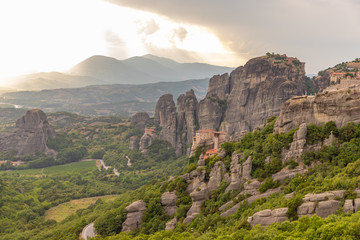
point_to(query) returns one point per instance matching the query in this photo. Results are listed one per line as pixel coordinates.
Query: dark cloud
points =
(149, 27)
(319, 32)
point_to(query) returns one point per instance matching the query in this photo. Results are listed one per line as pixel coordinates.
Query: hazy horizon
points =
(46, 36)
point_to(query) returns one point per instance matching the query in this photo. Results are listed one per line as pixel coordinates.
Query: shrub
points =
(293, 205)
(269, 184)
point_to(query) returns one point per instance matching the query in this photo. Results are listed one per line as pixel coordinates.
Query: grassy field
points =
(62, 211)
(76, 167)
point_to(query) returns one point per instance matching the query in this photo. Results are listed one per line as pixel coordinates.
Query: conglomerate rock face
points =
(30, 134)
(234, 103)
(135, 213)
(187, 117)
(341, 106)
(165, 118)
(140, 120)
(257, 92)
(177, 124)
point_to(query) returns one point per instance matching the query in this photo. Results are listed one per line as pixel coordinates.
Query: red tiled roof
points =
(211, 151)
(149, 130)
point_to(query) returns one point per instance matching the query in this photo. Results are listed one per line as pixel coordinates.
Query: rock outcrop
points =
(134, 143)
(240, 173)
(341, 106)
(135, 213)
(321, 204)
(140, 120)
(246, 169)
(217, 174)
(177, 124)
(256, 92)
(297, 146)
(234, 104)
(235, 170)
(146, 140)
(165, 118)
(287, 173)
(198, 196)
(168, 201)
(200, 190)
(186, 121)
(251, 94)
(171, 224)
(268, 217)
(30, 134)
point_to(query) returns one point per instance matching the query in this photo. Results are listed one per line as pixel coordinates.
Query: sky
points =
(54, 35)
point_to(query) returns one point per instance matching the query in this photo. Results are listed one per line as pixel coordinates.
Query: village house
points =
(150, 131)
(335, 77)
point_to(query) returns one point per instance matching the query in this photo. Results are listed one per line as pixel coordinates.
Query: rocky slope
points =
(204, 184)
(30, 134)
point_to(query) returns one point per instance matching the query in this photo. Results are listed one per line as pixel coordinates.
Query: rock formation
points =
(165, 118)
(251, 94)
(234, 103)
(135, 212)
(235, 170)
(177, 124)
(297, 146)
(171, 224)
(134, 142)
(217, 174)
(198, 196)
(246, 169)
(341, 106)
(30, 134)
(186, 121)
(147, 139)
(140, 120)
(168, 201)
(200, 190)
(240, 173)
(268, 217)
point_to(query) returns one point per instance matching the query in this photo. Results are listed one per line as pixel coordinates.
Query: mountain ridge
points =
(100, 70)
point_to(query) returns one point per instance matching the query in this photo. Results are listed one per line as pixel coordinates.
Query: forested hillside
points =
(327, 168)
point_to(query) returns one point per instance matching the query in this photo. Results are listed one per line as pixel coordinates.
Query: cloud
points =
(148, 28)
(180, 33)
(319, 32)
(116, 47)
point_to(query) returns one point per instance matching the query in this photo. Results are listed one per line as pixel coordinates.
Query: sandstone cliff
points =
(341, 106)
(30, 134)
(253, 93)
(175, 124)
(140, 120)
(234, 103)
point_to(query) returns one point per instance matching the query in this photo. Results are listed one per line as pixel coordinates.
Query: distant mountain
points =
(99, 70)
(100, 100)
(145, 69)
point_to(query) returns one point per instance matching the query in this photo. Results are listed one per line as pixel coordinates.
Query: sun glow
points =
(42, 35)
